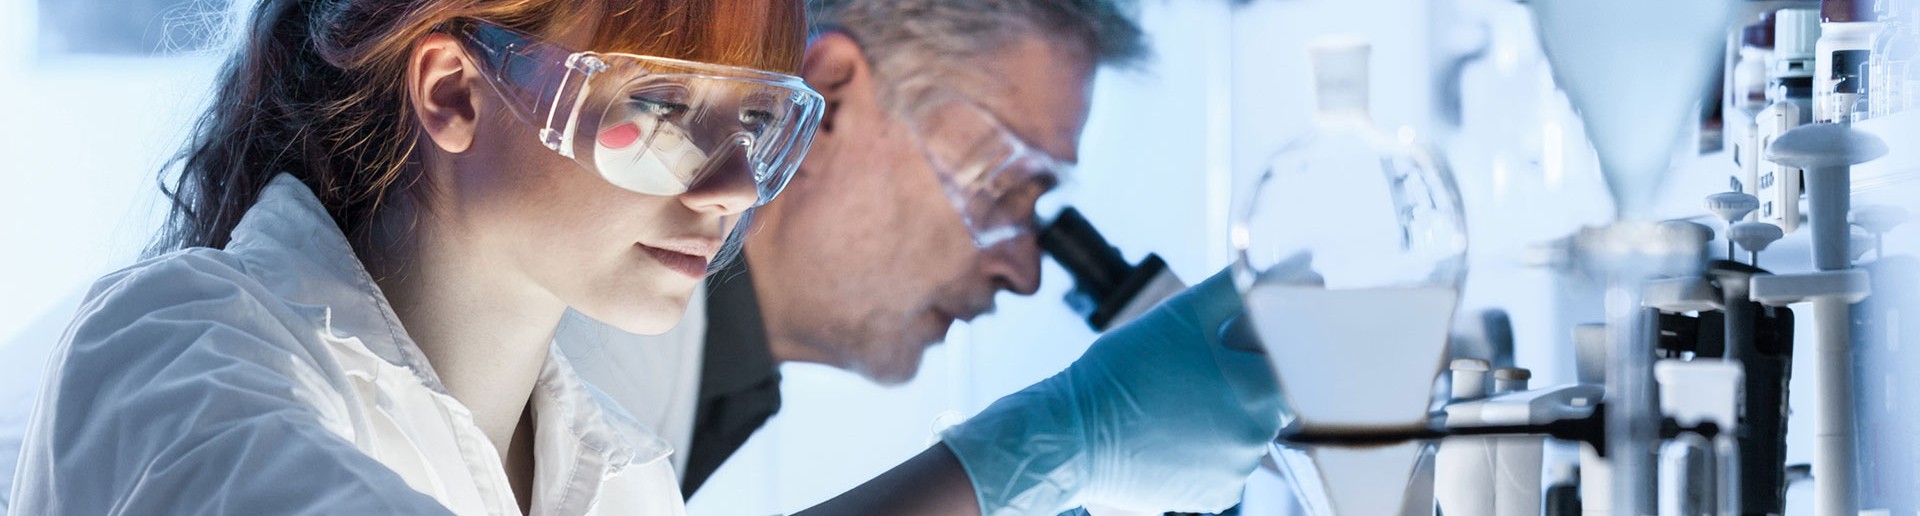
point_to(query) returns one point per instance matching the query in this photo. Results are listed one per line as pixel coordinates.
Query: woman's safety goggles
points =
(991, 176)
(652, 125)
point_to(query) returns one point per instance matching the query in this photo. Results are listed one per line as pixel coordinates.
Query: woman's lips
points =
(694, 266)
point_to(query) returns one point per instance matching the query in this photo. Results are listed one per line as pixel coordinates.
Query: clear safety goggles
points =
(653, 125)
(991, 176)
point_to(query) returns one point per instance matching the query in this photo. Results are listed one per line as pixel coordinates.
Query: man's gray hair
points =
(915, 46)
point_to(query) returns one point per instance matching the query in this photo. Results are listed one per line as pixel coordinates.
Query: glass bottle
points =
(1351, 254)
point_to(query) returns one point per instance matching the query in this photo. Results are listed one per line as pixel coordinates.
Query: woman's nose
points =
(728, 187)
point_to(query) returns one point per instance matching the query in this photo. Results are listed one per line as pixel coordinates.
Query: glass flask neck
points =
(1343, 118)
(1340, 81)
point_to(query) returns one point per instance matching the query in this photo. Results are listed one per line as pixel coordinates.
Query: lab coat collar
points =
(603, 438)
(290, 233)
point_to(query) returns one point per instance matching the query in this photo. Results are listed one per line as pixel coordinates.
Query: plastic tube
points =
(1516, 480)
(1464, 466)
(1685, 473)
(1834, 493)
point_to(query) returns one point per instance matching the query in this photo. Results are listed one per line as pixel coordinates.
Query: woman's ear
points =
(836, 67)
(440, 83)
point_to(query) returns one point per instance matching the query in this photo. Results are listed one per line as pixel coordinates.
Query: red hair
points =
(317, 90)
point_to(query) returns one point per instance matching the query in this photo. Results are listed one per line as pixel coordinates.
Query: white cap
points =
(1470, 379)
(1340, 79)
(1511, 379)
(1794, 33)
(1470, 364)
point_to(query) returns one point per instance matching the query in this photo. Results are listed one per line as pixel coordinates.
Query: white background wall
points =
(81, 142)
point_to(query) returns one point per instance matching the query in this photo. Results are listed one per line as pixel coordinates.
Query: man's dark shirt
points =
(739, 380)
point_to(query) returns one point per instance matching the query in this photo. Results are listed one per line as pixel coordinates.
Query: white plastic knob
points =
(1754, 236)
(1859, 244)
(1878, 218)
(1688, 230)
(1732, 206)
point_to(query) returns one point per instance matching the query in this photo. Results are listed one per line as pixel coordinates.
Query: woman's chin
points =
(653, 317)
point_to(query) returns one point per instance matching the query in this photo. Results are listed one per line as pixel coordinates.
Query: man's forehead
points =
(1041, 92)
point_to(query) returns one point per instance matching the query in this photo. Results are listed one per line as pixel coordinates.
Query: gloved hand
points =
(1157, 415)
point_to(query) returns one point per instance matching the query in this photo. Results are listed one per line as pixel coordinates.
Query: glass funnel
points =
(1351, 252)
(1634, 71)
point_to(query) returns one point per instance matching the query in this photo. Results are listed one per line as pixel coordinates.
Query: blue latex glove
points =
(1156, 416)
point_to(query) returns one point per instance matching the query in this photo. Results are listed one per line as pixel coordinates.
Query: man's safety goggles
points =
(652, 125)
(991, 176)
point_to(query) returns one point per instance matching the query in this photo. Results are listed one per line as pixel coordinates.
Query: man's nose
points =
(1014, 265)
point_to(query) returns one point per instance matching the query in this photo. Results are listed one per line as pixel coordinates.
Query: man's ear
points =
(837, 68)
(440, 83)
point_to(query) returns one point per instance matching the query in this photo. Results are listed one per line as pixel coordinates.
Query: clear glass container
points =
(1350, 224)
(1351, 254)
(1890, 66)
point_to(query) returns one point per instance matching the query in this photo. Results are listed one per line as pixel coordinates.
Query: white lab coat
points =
(273, 378)
(656, 378)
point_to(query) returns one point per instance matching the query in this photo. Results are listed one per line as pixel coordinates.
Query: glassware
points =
(1352, 250)
(1634, 70)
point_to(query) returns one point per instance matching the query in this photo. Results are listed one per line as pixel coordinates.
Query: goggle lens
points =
(653, 125)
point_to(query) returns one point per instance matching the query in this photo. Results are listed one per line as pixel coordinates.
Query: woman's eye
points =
(659, 108)
(755, 120)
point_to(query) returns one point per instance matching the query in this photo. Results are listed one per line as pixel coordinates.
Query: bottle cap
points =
(1847, 11)
(1794, 33)
(1760, 34)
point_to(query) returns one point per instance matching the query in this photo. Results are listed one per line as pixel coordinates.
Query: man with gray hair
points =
(945, 121)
